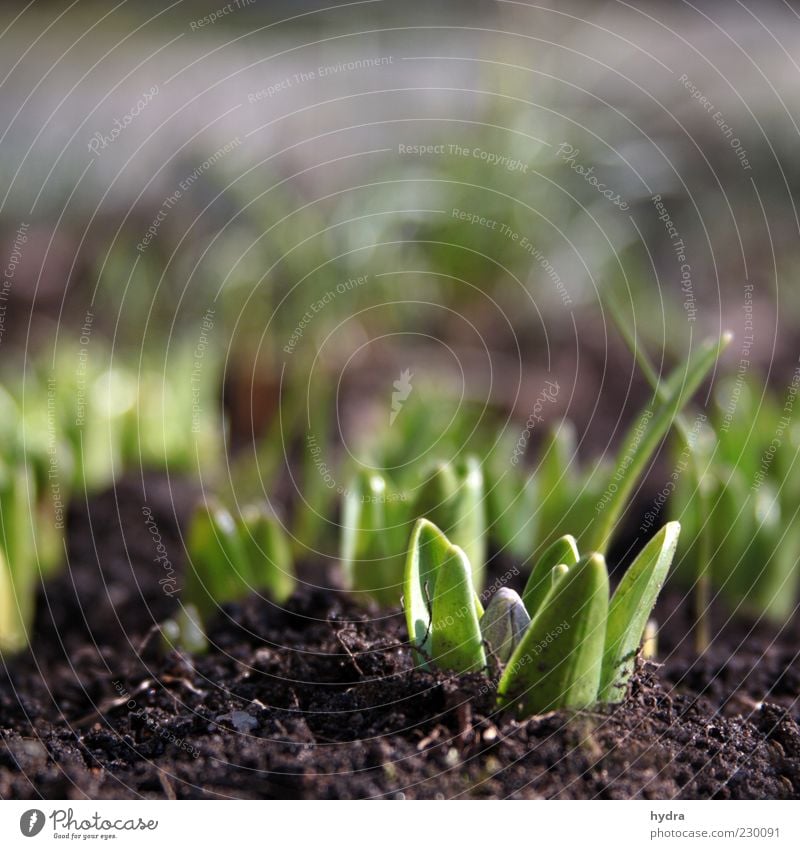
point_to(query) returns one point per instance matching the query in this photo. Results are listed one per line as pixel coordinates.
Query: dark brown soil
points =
(321, 700)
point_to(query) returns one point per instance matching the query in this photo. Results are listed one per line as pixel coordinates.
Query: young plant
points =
(31, 535)
(742, 525)
(693, 459)
(558, 662)
(19, 574)
(589, 502)
(566, 648)
(442, 609)
(373, 524)
(228, 559)
(452, 497)
(647, 433)
(512, 499)
(741, 529)
(376, 519)
(569, 492)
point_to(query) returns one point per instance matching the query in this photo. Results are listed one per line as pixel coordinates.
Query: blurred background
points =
(306, 223)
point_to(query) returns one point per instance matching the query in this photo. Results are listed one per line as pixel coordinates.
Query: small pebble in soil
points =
(241, 721)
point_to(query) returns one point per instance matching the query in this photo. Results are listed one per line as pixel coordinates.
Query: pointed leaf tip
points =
(630, 609)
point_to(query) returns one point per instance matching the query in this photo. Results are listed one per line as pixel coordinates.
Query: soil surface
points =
(321, 699)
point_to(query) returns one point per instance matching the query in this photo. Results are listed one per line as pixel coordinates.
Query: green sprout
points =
(571, 648)
(228, 559)
(442, 609)
(646, 434)
(19, 572)
(268, 552)
(563, 552)
(452, 497)
(746, 540)
(511, 501)
(578, 648)
(372, 529)
(590, 503)
(692, 449)
(31, 533)
(376, 519)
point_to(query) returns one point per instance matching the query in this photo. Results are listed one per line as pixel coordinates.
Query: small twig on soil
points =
(169, 790)
(343, 644)
(172, 679)
(155, 629)
(111, 704)
(431, 738)
(464, 719)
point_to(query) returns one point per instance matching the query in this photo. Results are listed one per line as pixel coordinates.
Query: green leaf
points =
(437, 496)
(630, 609)
(504, 623)
(109, 431)
(511, 497)
(453, 499)
(470, 520)
(645, 435)
(456, 641)
(557, 480)
(218, 570)
(185, 631)
(13, 627)
(563, 550)
(771, 559)
(18, 541)
(732, 528)
(369, 563)
(267, 551)
(558, 663)
(427, 550)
